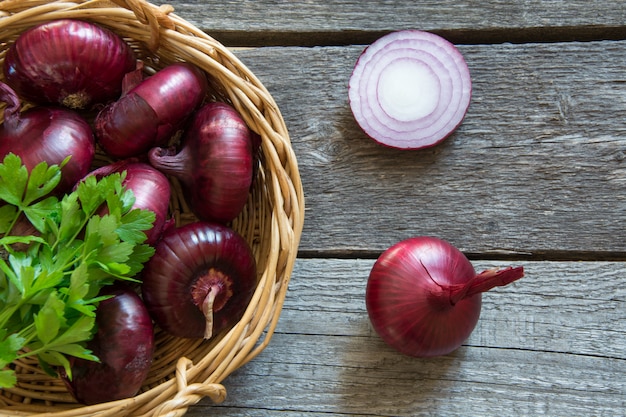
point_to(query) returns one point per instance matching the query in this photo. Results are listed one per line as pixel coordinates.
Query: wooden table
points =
(535, 176)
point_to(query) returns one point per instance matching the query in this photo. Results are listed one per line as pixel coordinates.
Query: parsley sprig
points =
(50, 280)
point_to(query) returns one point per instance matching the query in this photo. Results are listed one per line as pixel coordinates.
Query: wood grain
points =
(543, 346)
(535, 170)
(342, 22)
(534, 176)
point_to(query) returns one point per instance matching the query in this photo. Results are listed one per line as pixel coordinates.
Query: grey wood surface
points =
(550, 344)
(535, 176)
(284, 22)
(536, 168)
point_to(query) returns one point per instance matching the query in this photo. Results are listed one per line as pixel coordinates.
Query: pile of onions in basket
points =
(410, 89)
(150, 125)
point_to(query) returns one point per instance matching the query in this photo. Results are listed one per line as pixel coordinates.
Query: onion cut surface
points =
(410, 89)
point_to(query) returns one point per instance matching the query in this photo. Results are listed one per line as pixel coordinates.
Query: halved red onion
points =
(410, 89)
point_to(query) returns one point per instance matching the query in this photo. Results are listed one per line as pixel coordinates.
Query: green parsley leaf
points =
(39, 213)
(72, 218)
(54, 358)
(13, 180)
(141, 255)
(50, 319)
(77, 350)
(41, 181)
(134, 223)
(49, 291)
(7, 378)
(10, 240)
(9, 346)
(90, 194)
(8, 214)
(79, 331)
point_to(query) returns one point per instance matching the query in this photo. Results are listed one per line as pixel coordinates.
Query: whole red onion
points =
(200, 279)
(423, 296)
(215, 163)
(150, 187)
(158, 105)
(68, 62)
(124, 343)
(48, 134)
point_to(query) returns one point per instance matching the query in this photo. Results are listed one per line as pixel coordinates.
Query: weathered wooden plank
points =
(481, 382)
(541, 348)
(535, 313)
(268, 22)
(537, 167)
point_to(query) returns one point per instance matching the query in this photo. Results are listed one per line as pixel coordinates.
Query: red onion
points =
(150, 187)
(47, 134)
(68, 62)
(159, 105)
(215, 163)
(124, 343)
(200, 279)
(423, 296)
(410, 89)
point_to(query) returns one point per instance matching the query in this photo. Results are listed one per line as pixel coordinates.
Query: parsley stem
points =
(15, 219)
(9, 311)
(28, 333)
(78, 231)
(6, 315)
(17, 216)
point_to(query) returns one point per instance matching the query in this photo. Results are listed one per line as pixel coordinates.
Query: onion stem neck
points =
(207, 310)
(210, 293)
(485, 281)
(169, 162)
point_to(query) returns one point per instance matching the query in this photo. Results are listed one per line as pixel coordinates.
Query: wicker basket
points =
(184, 371)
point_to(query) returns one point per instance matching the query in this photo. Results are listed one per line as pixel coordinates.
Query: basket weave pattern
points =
(184, 371)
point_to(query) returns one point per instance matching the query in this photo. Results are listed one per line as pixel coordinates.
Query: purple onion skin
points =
(423, 296)
(190, 261)
(215, 163)
(159, 106)
(124, 343)
(48, 134)
(151, 189)
(68, 62)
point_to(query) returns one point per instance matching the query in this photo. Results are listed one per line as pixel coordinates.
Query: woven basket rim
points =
(272, 223)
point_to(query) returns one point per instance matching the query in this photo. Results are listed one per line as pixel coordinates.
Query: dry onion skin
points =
(410, 89)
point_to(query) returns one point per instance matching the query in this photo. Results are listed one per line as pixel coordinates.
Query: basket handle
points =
(188, 394)
(149, 14)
